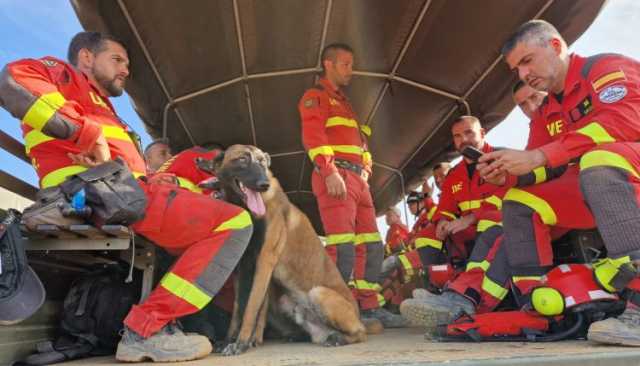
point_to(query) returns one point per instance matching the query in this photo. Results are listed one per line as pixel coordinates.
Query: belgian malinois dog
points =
(292, 266)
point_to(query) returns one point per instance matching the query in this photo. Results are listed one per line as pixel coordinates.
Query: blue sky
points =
(35, 28)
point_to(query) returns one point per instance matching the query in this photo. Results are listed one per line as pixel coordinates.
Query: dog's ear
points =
(217, 161)
(267, 159)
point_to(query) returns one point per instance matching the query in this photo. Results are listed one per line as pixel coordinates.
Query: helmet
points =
(567, 286)
(414, 196)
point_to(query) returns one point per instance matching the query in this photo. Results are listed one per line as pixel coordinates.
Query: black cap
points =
(21, 292)
(414, 196)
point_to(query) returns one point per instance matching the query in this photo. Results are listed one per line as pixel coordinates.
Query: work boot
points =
(622, 330)
(432, 310)
(170, 344)
(421, 293)
(387, 319)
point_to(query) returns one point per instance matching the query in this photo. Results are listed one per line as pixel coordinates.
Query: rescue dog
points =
(303, 283)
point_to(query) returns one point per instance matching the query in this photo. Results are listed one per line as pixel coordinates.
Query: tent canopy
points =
(232, 71)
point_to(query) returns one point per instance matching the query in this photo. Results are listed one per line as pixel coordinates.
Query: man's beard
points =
(109, 85)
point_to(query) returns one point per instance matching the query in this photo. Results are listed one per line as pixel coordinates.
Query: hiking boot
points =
(421, 293)
(168, 345)
(432, 310)
(623, 330)
(387, 319)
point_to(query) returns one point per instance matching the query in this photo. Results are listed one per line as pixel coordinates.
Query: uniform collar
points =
(573, 78)
(332, 90)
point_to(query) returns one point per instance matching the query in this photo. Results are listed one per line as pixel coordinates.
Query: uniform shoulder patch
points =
(310, 102)
(612, 94)
(49, 63)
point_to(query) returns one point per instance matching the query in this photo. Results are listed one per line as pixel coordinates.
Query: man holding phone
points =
(468, 213)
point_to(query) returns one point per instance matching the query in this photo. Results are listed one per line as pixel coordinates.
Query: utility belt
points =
(346, 164)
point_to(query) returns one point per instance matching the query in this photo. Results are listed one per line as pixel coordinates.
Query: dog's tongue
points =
(254, 201)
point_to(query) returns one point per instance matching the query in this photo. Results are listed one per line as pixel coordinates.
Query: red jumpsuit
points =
(595, 122)
(336, 142)
(61, 113)
(396, 238)
(462, 195)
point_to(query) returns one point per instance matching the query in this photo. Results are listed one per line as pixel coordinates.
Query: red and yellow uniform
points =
(61, 113)
(396, 238)
(183, 165)
(593, 126)
(336, 142)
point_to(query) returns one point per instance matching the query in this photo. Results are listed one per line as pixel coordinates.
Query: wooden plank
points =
(17, 186)
(13, 147)
(55, 231)
(87, 231)
(118, 231)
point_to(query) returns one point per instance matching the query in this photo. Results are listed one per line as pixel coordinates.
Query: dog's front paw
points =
(235, 348)
(335, 339)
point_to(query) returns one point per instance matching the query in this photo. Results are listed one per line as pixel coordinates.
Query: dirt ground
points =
(408, 347)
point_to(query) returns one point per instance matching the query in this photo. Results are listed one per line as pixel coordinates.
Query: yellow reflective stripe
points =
(483, 225)
(185, 290)
(494, 200)
(324, 150)
(341, 121)
(366, 285)
(484, 265)
(34, 138)
(606, 158)
(606, 269)
(448, 214)
(347, 238)
(406, 264)
(537, 204)
(115, 132)
(366, 130)
(493, 288)
(366, 158)
(469, 205)
(428, 242)
(187, 184)
(541, 174)
(349, 149)
(381, 300)
(240, 221)
(432, 212)
(526, 278)
(59, 175)
(607, 78)
(596, 132)
(367, 238)
(43, 109)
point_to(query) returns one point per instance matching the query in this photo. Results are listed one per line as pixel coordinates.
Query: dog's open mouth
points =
(253, 200)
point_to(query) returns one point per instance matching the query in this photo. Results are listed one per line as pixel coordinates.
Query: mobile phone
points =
(471, 153)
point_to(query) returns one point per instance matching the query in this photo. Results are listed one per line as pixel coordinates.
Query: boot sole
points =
(612, 338)
(418, 315)
(135, 354)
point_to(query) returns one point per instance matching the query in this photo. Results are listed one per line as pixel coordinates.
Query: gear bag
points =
(92, 317)
(112, 193)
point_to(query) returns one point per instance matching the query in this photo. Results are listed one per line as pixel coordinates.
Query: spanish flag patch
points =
(607, 79)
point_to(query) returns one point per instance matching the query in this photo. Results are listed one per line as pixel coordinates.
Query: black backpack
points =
(92, 317)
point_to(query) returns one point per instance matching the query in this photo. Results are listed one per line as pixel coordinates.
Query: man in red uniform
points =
(69, 125)
(469, 213)
(592, 116)
(156, 154)
(337, 145)
(396, 234)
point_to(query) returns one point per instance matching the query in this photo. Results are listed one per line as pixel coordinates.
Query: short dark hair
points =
(162, 140)
(519, 84)
(93, 41)
(330, 51)
(442, 164)
(537, 29)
